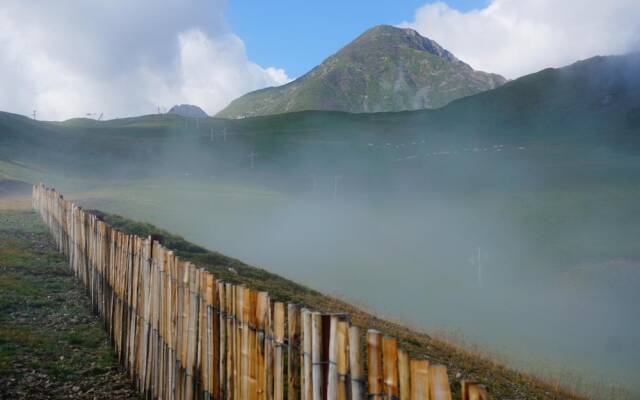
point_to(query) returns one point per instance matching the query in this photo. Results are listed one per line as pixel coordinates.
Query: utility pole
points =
(479, 268)
(336, 178)
(34, 114)
(315, 182)
(477, 260)
(252, 156)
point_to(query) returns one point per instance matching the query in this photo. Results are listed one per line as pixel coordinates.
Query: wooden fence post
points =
(464, 388)
(471, 390)
(253, 346)
(439, 383)
(307, 375)
(404, 375)
(278, 330)
(293, 364)
(342, 360)
(316, 356)
(390, 367)
(419, 379)
(262, 318)
(374, 361)
(332, 376)
(245, 309)
(355, 361)
(230, 291)
(222, 340)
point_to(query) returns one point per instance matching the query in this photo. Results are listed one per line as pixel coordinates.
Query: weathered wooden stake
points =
(439, 383)
(316, 356)
(404, 375)
(419, 379)
(293, 360)
(306, 376)
(278, 330)
(374, 361)
(390, 367)
(356, 364)
(342, 360)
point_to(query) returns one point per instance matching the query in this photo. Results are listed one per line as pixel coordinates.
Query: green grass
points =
(49, 341)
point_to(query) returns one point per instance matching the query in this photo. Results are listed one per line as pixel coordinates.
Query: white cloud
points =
(71, 57)
(220, 67)
(517, 37)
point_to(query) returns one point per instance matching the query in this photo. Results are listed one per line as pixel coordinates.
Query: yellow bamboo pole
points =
(191, 334)
(262, 315)
(471, 390)
(237, 340)
(464, 388)
(204, 355)
(253, 346)
(245, 309)
(390, 367)
(342, 360)
(306, 376)
(278, 362)
(231, 340)
(439, 383)
(478, 392)
(332, 376)
(316, 356)
(214, 338)
(293, 364)
(356, 365)
(222, 332)
(404, 375)
(374, 359)
(419, 379)
(269, 351)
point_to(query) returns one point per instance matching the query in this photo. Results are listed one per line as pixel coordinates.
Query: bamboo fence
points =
(183, 334)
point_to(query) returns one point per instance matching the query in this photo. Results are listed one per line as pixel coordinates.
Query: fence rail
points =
(183, 334)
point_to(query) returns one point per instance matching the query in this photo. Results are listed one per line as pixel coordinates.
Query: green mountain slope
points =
(385, 69)
(589, 104)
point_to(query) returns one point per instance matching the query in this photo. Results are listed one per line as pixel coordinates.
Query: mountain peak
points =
(386, 68)
(384, 30)
(390, 38)
(188, 111)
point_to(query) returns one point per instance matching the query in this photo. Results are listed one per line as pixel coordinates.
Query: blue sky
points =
(298, 35)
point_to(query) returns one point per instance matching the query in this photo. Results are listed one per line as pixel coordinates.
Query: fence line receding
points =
(183, 334)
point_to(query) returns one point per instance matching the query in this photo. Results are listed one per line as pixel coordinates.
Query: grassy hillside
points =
(384, 69)
(592, 103)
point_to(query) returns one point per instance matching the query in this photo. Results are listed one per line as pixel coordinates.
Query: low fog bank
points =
(541, 272)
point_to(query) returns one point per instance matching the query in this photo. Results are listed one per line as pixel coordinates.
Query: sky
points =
(72, 58)
(325, 26)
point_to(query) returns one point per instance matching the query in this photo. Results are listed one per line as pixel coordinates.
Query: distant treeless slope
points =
(599, 97)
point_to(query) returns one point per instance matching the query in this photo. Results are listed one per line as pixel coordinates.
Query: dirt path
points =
(51, 346)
